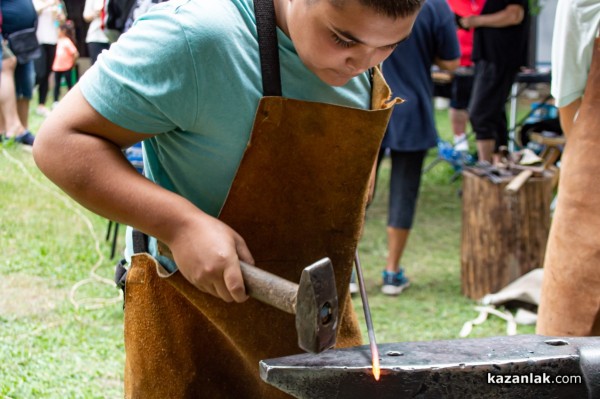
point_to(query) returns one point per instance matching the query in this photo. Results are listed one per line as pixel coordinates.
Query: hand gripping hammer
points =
(314, 300)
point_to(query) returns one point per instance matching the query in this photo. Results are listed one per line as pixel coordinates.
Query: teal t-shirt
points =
(190, 70)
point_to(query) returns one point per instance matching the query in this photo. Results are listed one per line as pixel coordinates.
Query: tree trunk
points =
(503, 235)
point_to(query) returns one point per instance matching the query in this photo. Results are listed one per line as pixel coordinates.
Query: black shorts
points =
(405, 180)
(487, 108)
(462, 85)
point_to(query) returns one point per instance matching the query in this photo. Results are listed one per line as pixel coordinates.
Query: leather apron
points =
(299, 195)
(570, 299)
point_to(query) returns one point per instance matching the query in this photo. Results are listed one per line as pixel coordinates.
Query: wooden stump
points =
(503, 235)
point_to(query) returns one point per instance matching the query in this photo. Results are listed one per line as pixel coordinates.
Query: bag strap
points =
(268, 47)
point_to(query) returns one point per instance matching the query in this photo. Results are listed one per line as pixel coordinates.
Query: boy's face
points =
(338, 43)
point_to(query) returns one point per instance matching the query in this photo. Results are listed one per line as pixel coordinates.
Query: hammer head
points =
(317, 307)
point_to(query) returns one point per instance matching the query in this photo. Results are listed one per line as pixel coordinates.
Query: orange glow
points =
(376, 369)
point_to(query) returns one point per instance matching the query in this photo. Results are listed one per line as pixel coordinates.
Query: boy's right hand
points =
(208, 253)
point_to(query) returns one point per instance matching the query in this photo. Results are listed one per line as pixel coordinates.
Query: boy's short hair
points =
(391, 8)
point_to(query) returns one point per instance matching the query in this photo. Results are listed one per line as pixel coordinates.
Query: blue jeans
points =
(24, 78)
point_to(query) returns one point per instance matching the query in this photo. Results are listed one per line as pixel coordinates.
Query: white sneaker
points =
(353, 288)
(461, 144)
(42, 111)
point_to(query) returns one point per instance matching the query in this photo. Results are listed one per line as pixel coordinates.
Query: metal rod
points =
(369, 321)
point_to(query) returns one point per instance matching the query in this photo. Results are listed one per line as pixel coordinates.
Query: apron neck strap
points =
(268, 47)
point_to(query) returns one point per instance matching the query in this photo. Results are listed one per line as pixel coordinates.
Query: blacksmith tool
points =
(314, 300)
(485, 169)
(520, 366)
(368, 320)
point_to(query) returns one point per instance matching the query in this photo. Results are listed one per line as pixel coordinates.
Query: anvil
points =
(522, 366)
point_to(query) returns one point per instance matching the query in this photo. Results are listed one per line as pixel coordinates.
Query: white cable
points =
(83, 303)
(484, 311)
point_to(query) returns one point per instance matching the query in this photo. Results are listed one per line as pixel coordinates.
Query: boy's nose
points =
(359, 63)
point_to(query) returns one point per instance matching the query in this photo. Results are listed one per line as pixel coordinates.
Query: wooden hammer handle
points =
(270, 288)
(260, 285)
(517, 182)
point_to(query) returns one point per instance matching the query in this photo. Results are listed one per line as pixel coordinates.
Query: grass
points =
(53, 346)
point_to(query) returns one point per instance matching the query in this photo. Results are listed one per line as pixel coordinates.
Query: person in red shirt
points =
(463, 76)
(65, 58)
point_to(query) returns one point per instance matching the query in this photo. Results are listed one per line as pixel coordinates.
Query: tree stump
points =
(503, 235)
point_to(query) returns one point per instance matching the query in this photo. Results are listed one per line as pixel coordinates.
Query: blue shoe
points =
(394, 283)
(26, 138)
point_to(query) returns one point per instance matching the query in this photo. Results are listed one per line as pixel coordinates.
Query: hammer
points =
(314, 300)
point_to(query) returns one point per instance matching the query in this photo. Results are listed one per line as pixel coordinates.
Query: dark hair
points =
(391, 8)
(69, 28)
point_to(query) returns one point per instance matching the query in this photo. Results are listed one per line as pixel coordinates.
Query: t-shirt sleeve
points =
(146, 82)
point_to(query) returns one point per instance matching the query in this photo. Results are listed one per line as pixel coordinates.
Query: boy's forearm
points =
(511, 15)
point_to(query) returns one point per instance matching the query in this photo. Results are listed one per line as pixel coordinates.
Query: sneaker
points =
(26, 138)
(394, 283)
(42, 111)
(461, 144)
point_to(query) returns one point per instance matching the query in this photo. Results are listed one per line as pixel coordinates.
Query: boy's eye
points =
(340, 42)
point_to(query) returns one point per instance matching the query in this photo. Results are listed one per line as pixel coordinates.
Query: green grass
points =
(51, 348)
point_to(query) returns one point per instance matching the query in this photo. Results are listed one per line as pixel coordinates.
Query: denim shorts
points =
(24, 79)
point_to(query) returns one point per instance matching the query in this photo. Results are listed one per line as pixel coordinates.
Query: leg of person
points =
(57, 79)
(462, 85)
(8, 99)
(484, 106)
(487, 108)
(24, 78)
(405, 181)
(43, 68)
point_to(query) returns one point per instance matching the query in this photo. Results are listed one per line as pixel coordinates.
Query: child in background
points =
(66, 56)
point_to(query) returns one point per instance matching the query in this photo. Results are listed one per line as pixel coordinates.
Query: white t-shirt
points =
(95, 34)
(575, 29)
(48, 20)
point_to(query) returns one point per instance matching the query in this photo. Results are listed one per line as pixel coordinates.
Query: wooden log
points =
(503, 235)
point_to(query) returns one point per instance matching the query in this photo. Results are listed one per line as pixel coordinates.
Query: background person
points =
(95, 38)
(65, 59)
(462, 82)
(499, 50)
(51, 13)
(412, 131)
(570, 297)
(16, 84)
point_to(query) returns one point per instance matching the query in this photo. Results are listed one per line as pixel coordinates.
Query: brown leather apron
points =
(570, 301)
(299, 195)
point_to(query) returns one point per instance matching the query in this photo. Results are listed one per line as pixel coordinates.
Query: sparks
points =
(375, 360)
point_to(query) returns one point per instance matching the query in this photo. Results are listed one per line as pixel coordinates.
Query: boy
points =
(187, 80)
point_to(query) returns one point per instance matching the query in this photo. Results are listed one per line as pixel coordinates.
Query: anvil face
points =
(465, 368)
